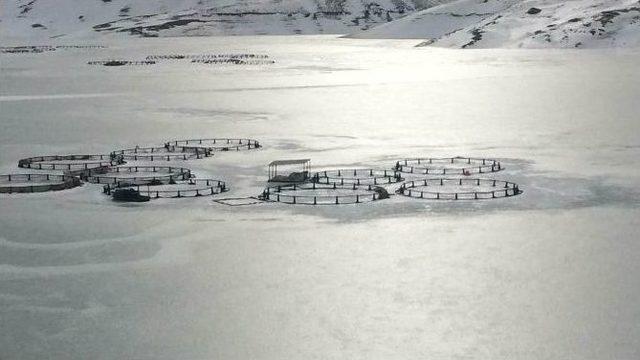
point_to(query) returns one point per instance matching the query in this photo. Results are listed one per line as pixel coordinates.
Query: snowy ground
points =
(87, 18)
(520, 24)
(550, 274)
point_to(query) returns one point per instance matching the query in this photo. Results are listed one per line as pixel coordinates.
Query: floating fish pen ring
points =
(459, 189)
(26, 49)
(323, 194)
(448, 166)
(206, 56)
(156, 175)
(218, 144)
(357, 176)
(189, 188)
(70, 162)
(32, 183)
(233, 61)
(80, 47)
(121, 62)
(161, 153)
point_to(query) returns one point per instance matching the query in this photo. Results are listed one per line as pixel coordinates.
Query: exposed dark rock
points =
(533, 11)
(606, 17)
(477, 36)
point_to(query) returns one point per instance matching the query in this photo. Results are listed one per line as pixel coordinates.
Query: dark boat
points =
(115, 63)
(129, 195)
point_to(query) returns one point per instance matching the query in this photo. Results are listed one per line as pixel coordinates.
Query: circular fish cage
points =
(323, 194)
(121, 62)
(162, 153)
(210, 145)
(26, 49)
(459, 189)
(357, 177)
(33, 183)
(70, 163)
(205, 56)
(448, 166)
(123, 176)
(189, 188)
(233, 61)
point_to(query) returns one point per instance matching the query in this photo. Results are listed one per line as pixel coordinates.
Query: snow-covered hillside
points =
(517, 23)
(57, 18)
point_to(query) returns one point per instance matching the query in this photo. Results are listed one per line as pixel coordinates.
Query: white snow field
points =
(549, 274)
(520, 24)
(85, 18)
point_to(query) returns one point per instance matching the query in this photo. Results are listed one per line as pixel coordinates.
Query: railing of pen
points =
(286, 194)
(448, 166)
(155, 174)
(33, 183)
(357, 177)
(459, 189)
(205, 56)
(192, 188)
(217, 144)
(121, 62)
(161, 153)
(70, 162)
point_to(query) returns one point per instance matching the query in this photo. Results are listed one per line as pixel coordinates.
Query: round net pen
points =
(167, 153)
(205, 56)
(459, 189)
(33, 183)
(123, 176)
(67, 47)
(448, 166)
(218, 144)
(233, 61)
(323, 194)
(357, 177)
(26, 49)
(190, 188)
(121, 62)
(70, 162)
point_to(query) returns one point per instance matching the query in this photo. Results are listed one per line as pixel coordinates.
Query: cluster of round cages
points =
(205, 56)
(324, 194)
(71, 163)
(357, 177)
(33, 183)
(181, 189)
(80, 47)
(211, 145)
(40, 49)
(234, 61)
(26, 49)
(165, 153)
(122, 176)
(448, 166)
(458, 189)
(121, 62)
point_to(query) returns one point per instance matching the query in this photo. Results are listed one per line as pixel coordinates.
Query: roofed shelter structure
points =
(296, 176)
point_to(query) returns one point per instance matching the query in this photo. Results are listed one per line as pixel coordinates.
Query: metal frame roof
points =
(289, 162)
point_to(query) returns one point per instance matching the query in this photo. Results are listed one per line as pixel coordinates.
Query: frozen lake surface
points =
(549, 274)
